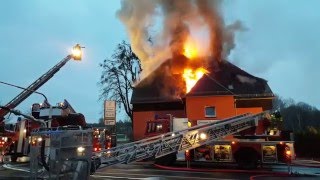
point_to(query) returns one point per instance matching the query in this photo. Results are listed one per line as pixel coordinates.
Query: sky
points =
(281, 44)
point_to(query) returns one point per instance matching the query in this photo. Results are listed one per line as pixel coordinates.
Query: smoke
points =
(246, 79)
(229, 37)
(158, 29)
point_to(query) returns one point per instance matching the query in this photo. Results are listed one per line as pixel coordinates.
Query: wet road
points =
(146, 170)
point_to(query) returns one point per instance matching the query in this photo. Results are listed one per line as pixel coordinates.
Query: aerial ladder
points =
(179, 141)
(76, 55)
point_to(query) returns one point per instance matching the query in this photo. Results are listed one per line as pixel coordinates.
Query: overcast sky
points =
(281, 45)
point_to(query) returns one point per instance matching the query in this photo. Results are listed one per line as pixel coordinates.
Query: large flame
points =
(191, 77)
(190, 49)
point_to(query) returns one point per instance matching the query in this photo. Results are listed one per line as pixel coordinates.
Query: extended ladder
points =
(76, 55)
(182, 140)
(34, 86)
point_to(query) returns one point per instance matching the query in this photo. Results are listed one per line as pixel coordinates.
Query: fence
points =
(61, 153)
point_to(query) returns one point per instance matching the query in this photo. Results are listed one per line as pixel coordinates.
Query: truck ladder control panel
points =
(178, 141)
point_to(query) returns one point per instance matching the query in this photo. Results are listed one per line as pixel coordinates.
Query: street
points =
(146, 170)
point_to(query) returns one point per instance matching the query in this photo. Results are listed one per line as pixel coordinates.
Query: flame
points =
(191, 77)
(190, 49)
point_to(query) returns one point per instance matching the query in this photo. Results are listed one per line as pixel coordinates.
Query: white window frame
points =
(210, 116)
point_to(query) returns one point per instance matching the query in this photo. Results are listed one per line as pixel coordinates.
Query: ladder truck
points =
(164, 147)
(8, 137)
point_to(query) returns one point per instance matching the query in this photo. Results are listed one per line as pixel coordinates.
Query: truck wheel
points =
(246, 158)
(167, 160)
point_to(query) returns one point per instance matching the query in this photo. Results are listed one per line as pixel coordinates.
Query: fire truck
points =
(101, 139)
(192, 140)
(164, 147)
(76, 55)
(243, 147)
(15, 141)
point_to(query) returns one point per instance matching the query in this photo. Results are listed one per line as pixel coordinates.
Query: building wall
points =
(140, 120)
(252, 110)
(195, 107)
(194, 110)
(264, 103)
(224, 105)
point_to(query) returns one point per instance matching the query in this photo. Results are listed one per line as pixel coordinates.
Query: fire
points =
(193, 70)
(190, 50)
(191, 77)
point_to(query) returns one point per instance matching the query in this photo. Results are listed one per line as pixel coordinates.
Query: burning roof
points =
(226, 78)
(160, 86)
(222, 78)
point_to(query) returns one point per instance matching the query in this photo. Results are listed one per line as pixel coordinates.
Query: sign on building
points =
(110, 112)
(202, 122)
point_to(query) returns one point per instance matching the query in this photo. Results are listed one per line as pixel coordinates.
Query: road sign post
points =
(109, 113)
(110, 119)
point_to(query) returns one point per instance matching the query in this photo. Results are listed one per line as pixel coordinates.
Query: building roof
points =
(224, 78)
(159, 86)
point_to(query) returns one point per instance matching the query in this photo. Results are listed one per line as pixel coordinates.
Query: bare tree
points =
(119, 73)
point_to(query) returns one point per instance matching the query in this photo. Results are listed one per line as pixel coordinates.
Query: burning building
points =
(185, 73)
(224, 90)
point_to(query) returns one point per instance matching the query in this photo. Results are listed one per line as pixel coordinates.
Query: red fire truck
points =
(14, 141)
(102, 139)
(245, 148)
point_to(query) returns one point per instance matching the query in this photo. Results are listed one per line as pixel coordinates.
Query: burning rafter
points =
(191, 77)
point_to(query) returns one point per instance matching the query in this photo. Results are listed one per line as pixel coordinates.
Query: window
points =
(222, 153)
(210, 111)
(154, 127)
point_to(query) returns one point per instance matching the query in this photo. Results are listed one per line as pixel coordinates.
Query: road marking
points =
(156, 175)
